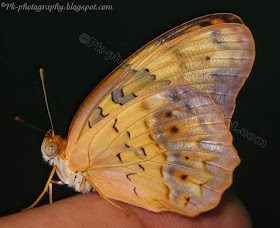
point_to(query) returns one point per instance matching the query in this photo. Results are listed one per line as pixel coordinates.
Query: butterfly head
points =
(52, 146)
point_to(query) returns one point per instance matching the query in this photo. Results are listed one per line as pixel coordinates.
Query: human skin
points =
(90, 210)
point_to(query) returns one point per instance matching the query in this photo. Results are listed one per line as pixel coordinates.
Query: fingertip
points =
(229, 213)
(91, 209)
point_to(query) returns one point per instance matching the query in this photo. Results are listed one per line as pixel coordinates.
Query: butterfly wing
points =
(213, 53)
(168, 150)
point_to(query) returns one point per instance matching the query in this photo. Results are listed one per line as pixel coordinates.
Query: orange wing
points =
(168, 150)
(213, 53)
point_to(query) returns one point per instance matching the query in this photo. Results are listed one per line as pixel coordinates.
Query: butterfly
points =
(155, 132)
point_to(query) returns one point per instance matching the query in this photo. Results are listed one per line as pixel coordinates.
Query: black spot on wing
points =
(135, 191)
(168, 114)
(127, 175)
(140, 166)
(174, 130)
(119, 157)
(187, 201)
(114, 126)
(144, 152)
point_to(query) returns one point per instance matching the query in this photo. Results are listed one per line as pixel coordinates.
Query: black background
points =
(30, 40)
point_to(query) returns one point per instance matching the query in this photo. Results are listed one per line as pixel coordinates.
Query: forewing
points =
(168, 150)
(214, 53)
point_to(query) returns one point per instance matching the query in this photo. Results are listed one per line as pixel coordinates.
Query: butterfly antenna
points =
(18, 119)
(46, 99)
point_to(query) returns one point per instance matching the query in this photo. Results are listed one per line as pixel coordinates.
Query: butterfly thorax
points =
(53, 151)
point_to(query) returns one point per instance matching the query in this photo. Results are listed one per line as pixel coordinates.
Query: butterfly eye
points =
(51, 149)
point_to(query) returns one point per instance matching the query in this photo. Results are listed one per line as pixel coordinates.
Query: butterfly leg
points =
(57, 182)
(50, 188)
(104, 197)
(50, 193)
(45, 189)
